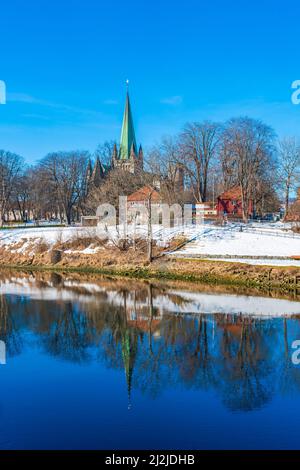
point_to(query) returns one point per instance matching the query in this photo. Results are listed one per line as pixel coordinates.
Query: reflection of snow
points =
(173, 301)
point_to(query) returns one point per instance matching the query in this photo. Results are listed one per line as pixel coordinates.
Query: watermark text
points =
(2, 92)
(296, 94)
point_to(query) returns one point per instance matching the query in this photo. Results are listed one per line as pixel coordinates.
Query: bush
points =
(296, 227)
(41, 247)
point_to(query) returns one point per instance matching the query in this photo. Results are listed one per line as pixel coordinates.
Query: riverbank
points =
(263, 257)
(133, 264)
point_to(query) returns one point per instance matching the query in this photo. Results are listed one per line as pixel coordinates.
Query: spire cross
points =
(127, 84)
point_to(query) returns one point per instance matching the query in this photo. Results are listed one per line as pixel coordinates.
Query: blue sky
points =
(65, 64)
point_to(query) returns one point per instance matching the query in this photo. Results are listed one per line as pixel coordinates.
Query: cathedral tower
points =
(129, 157)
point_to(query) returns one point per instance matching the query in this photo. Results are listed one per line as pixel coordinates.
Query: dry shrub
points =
(41, 246)
(176, 242)
(296, 227)
(80, 242)
(140, 244)
(123, 244)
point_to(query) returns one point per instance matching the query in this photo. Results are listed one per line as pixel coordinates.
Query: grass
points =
(148, 274)
(231, 263)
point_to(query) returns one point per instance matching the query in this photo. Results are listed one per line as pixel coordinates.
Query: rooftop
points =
(143, 194)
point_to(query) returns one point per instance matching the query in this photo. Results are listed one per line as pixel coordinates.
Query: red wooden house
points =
(230, 203)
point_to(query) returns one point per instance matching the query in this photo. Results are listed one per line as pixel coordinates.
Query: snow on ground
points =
(261, 261)
(50, 235)
(258, 240)
(253, 241)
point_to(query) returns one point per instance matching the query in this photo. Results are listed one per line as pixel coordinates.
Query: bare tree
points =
(289, 166)
(165, 164)
(117, 183)
(44, 200)
(10, 169)
(22, 193)
(65, 172)
(199, 145)
(104, 152)
(247, 154)
(150, 232)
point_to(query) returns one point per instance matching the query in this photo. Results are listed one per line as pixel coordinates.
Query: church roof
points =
(97, 173)
(127, 134)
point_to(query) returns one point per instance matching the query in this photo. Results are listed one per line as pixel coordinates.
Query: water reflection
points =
(161, 336)
(9, 328)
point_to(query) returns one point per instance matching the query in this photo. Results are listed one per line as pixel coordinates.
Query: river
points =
(90, 362)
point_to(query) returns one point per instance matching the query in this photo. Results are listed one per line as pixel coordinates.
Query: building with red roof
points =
(230, 203)
(143, 196)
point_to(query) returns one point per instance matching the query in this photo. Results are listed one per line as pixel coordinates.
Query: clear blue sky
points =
(65, 64)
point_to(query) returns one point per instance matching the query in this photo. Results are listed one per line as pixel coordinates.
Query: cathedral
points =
(127, 157)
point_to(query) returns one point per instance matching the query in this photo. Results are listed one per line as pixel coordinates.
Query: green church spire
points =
(128, 141)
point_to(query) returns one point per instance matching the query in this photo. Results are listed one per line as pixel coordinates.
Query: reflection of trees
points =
(246, 370)
(151, 353)
(70, 334)
(238, 363)
(9, 332)
(245, 360)
(198, 365)
(56, 279)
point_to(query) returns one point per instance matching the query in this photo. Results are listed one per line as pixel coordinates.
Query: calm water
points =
(110, 364)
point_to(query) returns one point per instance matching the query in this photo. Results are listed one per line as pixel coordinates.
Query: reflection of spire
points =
(129, 351)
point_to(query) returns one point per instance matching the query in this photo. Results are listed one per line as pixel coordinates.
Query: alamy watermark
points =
(296, 353)
(129, 217)
(2, 92)
(2, 353)
(296, 94)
